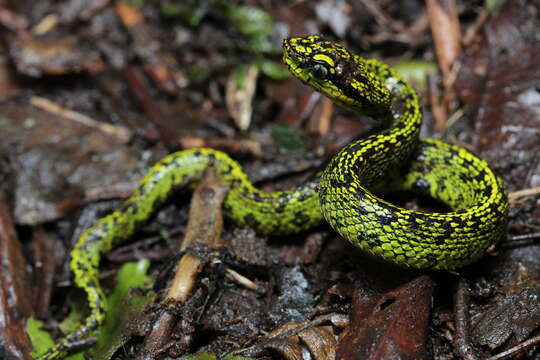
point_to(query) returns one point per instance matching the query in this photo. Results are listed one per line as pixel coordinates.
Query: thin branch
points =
(515, 195)
(520, 347)
(119, 132)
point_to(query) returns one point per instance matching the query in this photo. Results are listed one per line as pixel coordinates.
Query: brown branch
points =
(520, 347)
(515, 196)
(119, 132)
(462, 343)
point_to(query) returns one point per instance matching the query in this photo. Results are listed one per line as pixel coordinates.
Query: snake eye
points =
(320, 71)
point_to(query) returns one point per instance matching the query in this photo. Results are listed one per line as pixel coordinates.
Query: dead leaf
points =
(239, 95)
(394, 325)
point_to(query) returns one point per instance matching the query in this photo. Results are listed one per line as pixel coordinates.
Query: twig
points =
(239, 97)
(136, 83)
(232, 146)
(124, 253)
(525, 237)
(325, 119)
(46, 24)
(381, 17)
(119, 132)
(461, 315)
(515, 241)
(454, 117)
(515, 195)
(242, 280)
(444, 21)
(437, 108)
(293, 329)
(44, 246)
(472, 30)
(524, 345)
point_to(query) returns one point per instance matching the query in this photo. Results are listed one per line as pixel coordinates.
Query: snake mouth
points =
(295, 61)
(323, 66)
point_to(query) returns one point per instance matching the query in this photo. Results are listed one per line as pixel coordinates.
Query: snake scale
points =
(344, 194)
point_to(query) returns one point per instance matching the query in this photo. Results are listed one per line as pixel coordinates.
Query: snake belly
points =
(343, 194)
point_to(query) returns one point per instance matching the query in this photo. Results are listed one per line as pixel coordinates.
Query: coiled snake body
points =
(405, 237)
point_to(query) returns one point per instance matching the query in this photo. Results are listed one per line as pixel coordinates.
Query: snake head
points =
(332, 70)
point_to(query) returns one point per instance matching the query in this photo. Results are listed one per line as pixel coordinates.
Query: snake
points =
(349, 193)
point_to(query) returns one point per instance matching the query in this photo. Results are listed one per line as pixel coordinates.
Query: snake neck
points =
(365, 160)
(403, 110)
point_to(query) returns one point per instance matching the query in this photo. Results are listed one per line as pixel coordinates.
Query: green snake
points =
(345, 192)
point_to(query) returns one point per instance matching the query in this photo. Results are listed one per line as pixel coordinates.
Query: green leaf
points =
(191, 12)
(240, 74)
(493, 6)
(133, 274)
(199, 356)
(254, 24)
(197, 74)
(250, 20)
(288, 138)
(233, 357)
(273, 70)
(134, 2)
(261, 44)
(42, 340)
(123, 308)
(416, 71)
(76, 314)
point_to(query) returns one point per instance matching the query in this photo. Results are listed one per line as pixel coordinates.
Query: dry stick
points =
(119, 132)
(161, 66)
(525, 237)
(520, 347)
(515, 195)
(137, 86)
(204, 227)
(325, 119)
(438, 110)
(382, 17)
(44, 246)
(230, 145)
(513, 241)
(293, 329)
(461, 315)
(45, 25)
(472, 30)
(126, 253)
(443, 17)
(242, 280)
